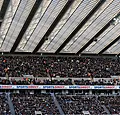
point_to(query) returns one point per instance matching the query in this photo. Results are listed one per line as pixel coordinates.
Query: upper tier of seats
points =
(78, 67)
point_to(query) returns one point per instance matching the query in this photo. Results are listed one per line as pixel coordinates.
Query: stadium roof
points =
(60, 26)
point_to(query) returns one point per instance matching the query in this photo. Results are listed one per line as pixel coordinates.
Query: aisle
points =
(57, 104)
(10, 104)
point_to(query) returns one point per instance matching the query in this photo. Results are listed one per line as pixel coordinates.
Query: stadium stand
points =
(59, 57)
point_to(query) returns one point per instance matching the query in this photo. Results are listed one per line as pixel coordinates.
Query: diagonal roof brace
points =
(111, 22)
(96, 36)
(3, 10)
(108, 46)
(26, 24)
(99, 4)
(54, 24)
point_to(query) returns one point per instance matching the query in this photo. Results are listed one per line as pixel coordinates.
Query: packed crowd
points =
(29, 81)
(76, 105)
(18, 66)
(112, 103)
(4, 107)
(27, 104)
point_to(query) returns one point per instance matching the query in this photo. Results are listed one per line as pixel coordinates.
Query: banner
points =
(59, 87)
